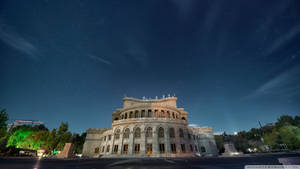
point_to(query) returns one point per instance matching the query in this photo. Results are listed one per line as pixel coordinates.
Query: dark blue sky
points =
(229, 62)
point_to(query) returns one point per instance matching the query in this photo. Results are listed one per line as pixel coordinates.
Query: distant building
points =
(149, 128)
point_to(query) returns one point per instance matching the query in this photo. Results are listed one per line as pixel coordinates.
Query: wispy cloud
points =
(100, 59)
(285, 84)
(283, 40)
(18, 42)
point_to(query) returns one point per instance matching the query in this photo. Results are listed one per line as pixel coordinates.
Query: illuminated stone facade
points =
(149, 128)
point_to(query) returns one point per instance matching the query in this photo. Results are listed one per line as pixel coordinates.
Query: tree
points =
(273, 139)
(63, 136)
(78, 141)
(284, 121)
(220, 143)
(3, 119)
(290, 136)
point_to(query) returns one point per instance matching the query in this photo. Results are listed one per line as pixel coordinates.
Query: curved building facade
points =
(149, 128)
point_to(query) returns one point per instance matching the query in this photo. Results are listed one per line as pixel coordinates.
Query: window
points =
(107, 148)
(149, 132)
(126, 116)
(149, 148)
(117, 134)
(137, 133)
(126, 133)
(194, 137)
(122, 117)
(143, 113)
(181, 133)
(183, 118)
(109, 137)
(103, 148)
(196, 148)
(161, 132)
(149, 113)
(173, 115)
(176, 116)
(162, 148)
(173, 148)
(116, 149)
(104, 138)
(169, 115)
(183, 148)
(191, 148)
(136, 114)
(172, 132)
(137, 148)
(156, 113)
(189, 136)
(163, 114)
(125, 148)
(96, 150)
(131, 114)
(203, 149)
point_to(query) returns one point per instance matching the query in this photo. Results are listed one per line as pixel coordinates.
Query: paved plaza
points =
(146, 163)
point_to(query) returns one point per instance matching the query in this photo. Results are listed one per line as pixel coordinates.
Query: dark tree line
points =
(285, 131)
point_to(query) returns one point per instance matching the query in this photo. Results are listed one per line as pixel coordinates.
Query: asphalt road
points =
(146, 163)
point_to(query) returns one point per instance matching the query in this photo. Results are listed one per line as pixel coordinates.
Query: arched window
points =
(122, 117)
(149, 113)
(116, 118)
(137, 133)
(173, 115)
(203, 149)
(126, 133)
(172, 132)
(149, 132)
(163, 115)
(143, 113)
(183, 118)
(161, 132)
(176, 116)
(131, 114)
(125, 115)
(117, 134)
(156, 113)
(168, 114)
(181, 133)
(136, 114)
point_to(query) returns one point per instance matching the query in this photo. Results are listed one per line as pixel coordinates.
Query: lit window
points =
(116, 149)
(125, 148)
(137, 148)
(162, 148)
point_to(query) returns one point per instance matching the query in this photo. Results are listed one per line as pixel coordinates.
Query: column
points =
(131, 143)
(120, 148)
(155, 142)
(143, 143)
(167, 141)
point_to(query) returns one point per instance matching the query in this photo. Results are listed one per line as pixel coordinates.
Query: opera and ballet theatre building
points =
(150, 128)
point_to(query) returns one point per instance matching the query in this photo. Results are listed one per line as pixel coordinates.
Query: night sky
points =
(229, 62)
